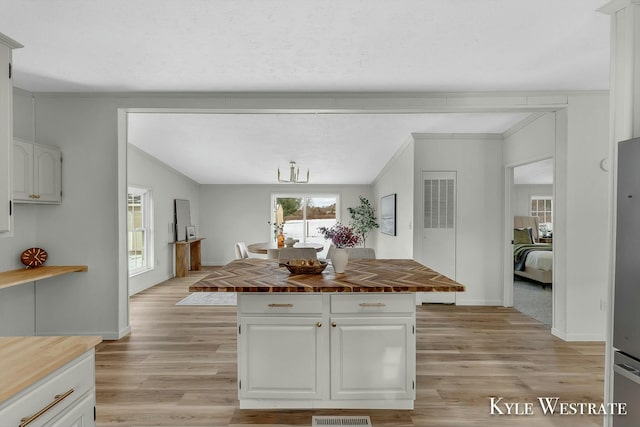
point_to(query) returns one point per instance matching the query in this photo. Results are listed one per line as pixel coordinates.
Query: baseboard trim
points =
(489, 302)
(577, 337)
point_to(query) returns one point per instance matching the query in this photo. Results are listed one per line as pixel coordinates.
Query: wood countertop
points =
(362, 275)
(25, 360)
(26, 275)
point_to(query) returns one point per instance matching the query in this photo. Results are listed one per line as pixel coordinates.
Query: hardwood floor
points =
(178, 368)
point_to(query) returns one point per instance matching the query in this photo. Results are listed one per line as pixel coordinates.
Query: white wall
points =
(531, 141)
(397, 177)
(477, 159)
(234, 213)
(577, 138)
(166, 184)
(588, 227)
(523, 194)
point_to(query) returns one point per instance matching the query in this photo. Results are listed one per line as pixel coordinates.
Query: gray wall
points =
(166, 185)
(234, 213)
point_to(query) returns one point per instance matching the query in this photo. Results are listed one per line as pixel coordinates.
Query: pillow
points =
(522, 236)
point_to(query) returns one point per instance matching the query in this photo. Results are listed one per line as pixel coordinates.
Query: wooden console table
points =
(182, 261)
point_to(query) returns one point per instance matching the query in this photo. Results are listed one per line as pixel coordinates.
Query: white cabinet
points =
(373, 346)
(64, 398)
(326, 350)
(36, 173)
(6, 130)
(372, 358)
(281, 357)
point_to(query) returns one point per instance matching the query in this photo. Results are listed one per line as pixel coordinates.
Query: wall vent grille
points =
(439, 203)
(334, 421)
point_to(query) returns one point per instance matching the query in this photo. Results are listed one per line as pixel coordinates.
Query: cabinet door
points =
(372, 358)
(280, 357)
(80, 414)
(22, 170)
(46, 173)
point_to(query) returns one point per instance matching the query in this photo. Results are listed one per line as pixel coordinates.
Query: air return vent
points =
(334, 421)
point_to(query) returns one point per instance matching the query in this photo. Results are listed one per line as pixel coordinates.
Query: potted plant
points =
(343, 237)
(363, 219)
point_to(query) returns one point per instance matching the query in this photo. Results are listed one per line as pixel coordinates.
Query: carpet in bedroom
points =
(531, 299)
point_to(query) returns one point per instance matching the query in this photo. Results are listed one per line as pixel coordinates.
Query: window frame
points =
(146, 199)
(304, 196)
(550, 212)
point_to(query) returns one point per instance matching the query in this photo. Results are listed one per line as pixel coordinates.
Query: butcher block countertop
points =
(361, 275)
(27, 275)
(25, 360)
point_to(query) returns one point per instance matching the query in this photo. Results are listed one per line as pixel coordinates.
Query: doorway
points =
(531, 205)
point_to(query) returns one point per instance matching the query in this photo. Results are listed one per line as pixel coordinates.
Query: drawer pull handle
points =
(319, 324)
(58, 398)
(280, 305)
(334, 324)
(372, 304)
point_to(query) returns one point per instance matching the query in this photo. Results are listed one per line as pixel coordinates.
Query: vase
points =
(339, 259)
(280, 240)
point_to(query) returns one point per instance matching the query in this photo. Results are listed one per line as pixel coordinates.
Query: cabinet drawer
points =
(373, 303)
(279, 304)
(78, 375)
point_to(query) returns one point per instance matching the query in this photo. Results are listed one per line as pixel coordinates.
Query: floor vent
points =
(334, 421)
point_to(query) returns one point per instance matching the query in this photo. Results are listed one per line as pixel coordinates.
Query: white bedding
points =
(541, 260)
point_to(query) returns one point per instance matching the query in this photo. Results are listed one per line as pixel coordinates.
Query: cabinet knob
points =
(319, 324)
(333, 324)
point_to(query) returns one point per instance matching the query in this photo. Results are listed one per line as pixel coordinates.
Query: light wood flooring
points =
(178, 368)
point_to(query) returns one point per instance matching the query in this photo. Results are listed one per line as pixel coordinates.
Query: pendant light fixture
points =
(294, 175)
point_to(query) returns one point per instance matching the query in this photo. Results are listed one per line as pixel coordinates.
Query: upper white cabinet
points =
(36, 173)
(6, 129)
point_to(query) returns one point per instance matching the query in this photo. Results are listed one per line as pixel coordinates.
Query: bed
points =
(532, 260)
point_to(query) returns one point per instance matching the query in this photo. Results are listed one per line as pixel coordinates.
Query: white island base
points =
(326, 350)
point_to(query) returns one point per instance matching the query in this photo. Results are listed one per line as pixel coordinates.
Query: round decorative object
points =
(33, 257)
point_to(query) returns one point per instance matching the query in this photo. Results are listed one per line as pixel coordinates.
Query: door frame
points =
(509, 187)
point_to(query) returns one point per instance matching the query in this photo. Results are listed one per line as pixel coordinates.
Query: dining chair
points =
(273, 253)
(285, 254)
(241, 250)
(361, 253)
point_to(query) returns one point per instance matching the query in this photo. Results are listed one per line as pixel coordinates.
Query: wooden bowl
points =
(300, 269)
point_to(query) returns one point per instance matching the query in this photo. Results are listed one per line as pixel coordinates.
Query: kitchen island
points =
(326, 340)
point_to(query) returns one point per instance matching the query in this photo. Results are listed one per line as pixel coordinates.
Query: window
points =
(303, 214)
(139, 230)
(542, 207)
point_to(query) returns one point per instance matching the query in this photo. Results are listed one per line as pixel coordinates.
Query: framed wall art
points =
(191, 232)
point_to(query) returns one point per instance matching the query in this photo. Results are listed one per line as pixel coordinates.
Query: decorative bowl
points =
(306, 269)
(290, 242)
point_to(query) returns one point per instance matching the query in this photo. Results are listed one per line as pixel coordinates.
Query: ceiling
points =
(534, 173)
(304, 46)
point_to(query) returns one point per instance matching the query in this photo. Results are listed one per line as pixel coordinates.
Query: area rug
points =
(531, 299)
(210, 298)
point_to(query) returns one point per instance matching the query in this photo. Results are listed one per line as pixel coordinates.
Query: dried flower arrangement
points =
(342, 236)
